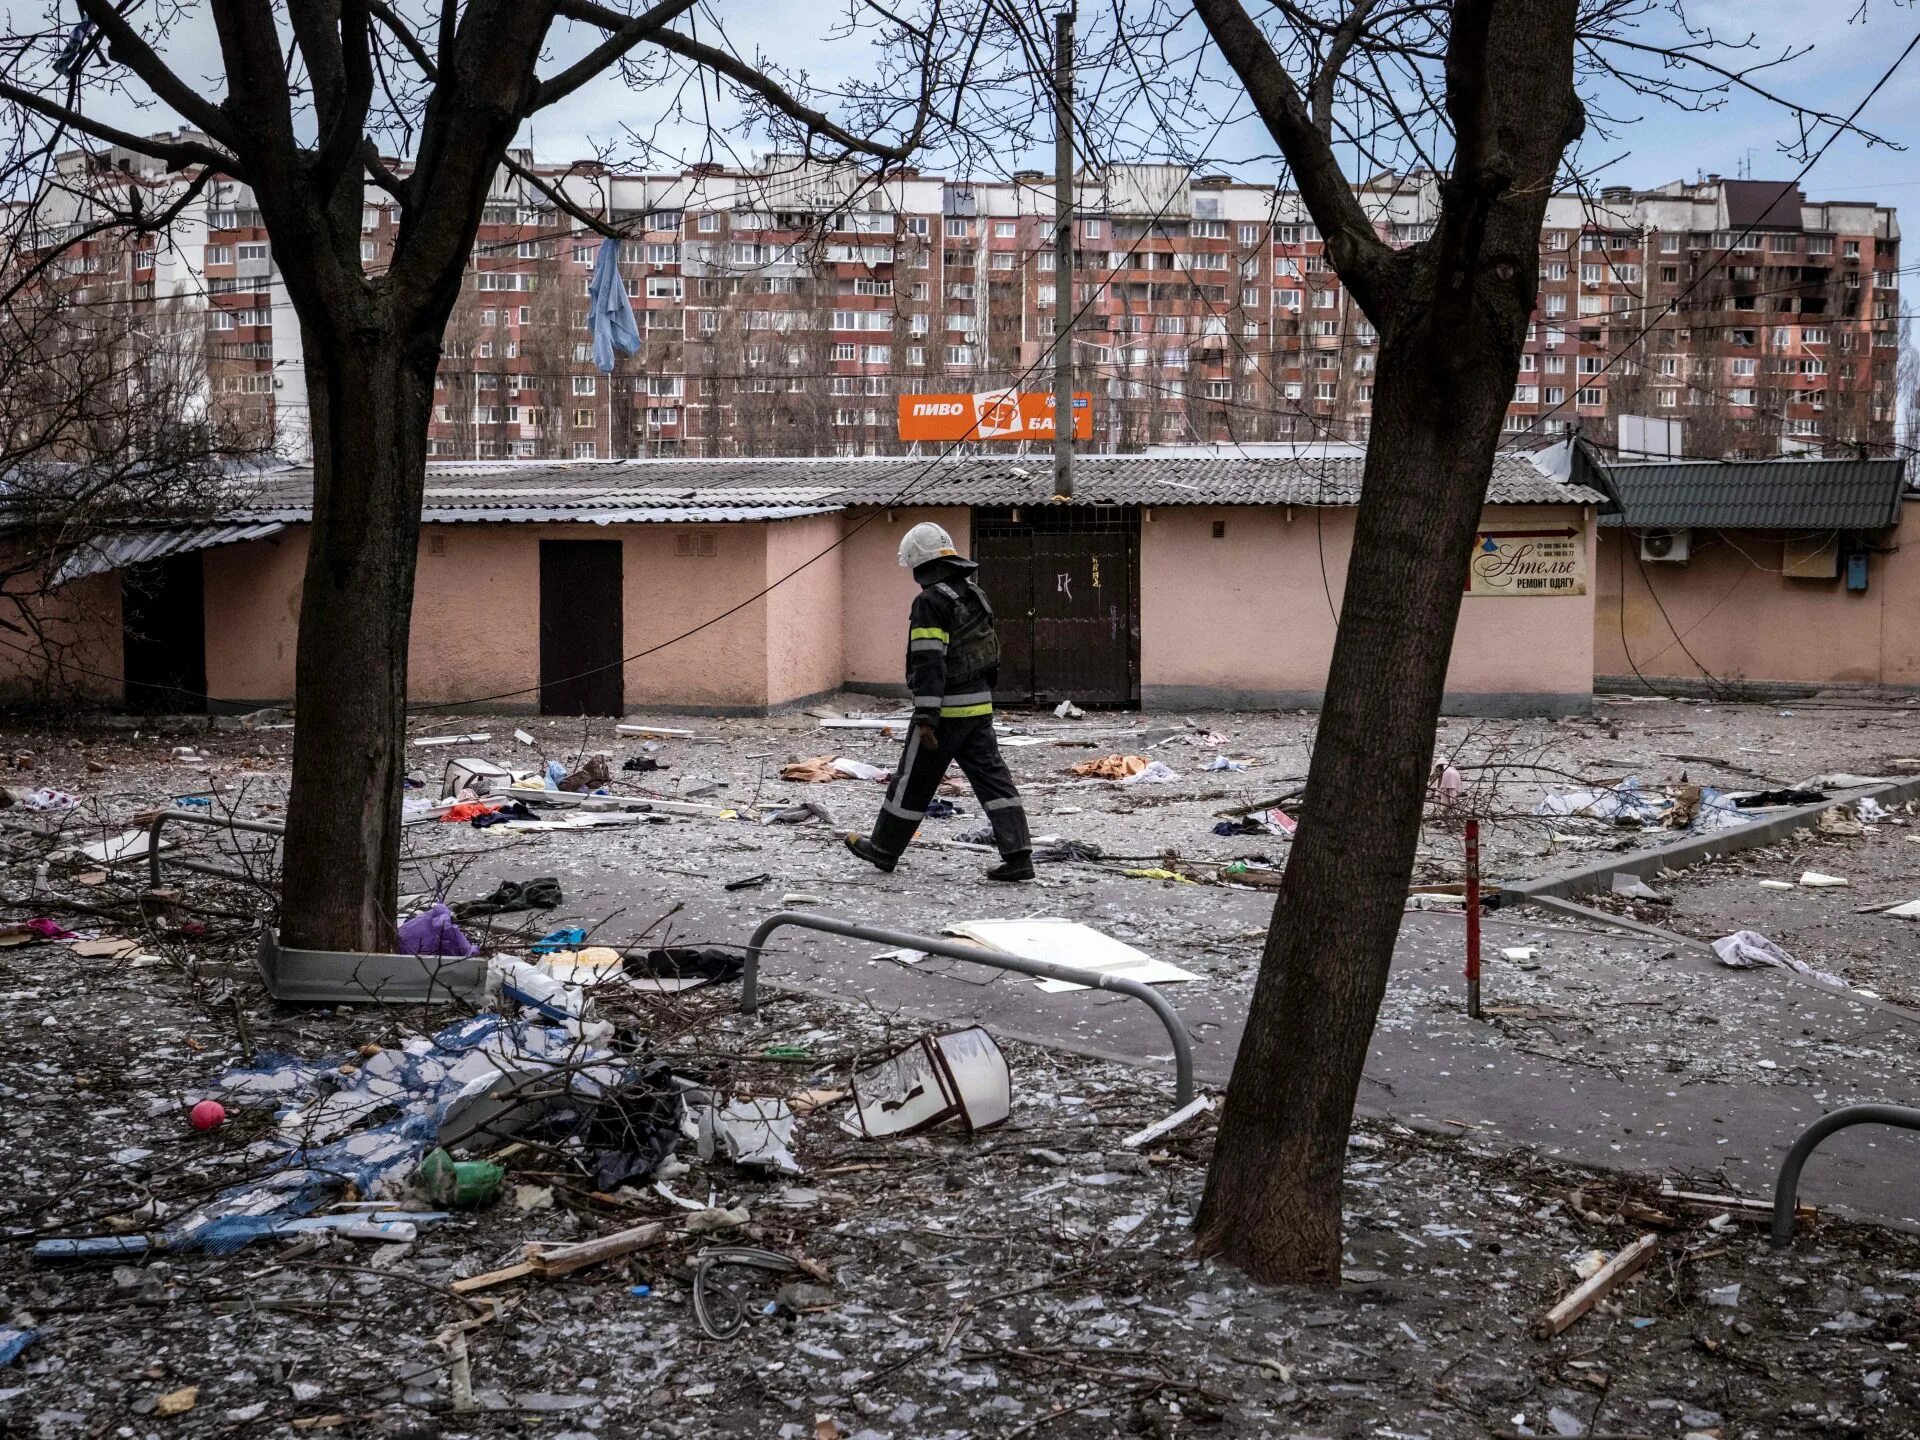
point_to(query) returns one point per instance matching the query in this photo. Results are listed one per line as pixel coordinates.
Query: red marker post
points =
(1473, 919)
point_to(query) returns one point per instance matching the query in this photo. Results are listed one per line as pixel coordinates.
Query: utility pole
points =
(1063, 296)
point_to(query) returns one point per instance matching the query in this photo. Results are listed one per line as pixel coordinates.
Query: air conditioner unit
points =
(1667, 545)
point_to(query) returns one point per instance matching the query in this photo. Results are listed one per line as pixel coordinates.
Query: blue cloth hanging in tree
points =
(609, 311)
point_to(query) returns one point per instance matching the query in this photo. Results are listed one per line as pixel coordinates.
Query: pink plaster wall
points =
(253, 616)
(82, 620)
(1743, 620)
(475, 629)
(805, 655)
(877, 593)
(1246, 619)
(725, 665)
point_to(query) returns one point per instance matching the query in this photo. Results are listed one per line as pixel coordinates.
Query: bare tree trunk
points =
(1274, 1190)
(371, 400)
(1452, 314)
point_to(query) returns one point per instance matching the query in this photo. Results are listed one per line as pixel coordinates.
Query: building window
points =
(585, 450)
(1093, 229)
(584, 384)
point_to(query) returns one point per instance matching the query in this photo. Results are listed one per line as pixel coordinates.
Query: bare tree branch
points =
(1356, 251)
(125, 45)
(621, 39)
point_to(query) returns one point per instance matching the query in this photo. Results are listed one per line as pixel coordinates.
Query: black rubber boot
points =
(1017, 866)
(874, 856)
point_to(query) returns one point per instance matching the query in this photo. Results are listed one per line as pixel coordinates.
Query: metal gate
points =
(1065, 585)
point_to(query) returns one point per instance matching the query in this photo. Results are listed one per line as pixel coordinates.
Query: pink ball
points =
(207, 1114)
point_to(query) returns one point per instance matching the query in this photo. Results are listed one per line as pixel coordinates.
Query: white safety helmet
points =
(925, 541)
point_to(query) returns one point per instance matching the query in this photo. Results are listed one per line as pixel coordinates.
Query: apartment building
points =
(783, 308)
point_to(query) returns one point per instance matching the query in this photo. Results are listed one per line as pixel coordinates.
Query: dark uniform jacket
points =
(953, 655)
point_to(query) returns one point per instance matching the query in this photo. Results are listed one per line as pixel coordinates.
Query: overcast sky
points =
(1850, 50)
(1849, 53)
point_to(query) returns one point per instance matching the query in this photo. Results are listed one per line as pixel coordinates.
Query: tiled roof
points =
(1758, 494)
(590, 490)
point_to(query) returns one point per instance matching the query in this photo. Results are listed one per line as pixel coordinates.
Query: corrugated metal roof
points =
(1786, 494)
(118, 549)
(589, 490)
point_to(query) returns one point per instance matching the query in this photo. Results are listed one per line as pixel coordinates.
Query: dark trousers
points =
(970, 743)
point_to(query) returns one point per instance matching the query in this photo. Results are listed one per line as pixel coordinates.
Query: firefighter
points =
(953, 660)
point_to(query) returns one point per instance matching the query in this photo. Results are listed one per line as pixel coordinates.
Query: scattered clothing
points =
(942, 810)
(1110, 767)
(816, 771)
(569, 937)
(52, 800)
(1748, 949)
(517, 810)
(1761, 798)
(592, 775)
(1071, 850)
(645, 764)
(13, 1342)
(49, 929)
(510, 895)
(799, 814)
(470, 810)
(435, 932)
(680, 962)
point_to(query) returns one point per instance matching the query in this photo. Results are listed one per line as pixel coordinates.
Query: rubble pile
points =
(571, 1189)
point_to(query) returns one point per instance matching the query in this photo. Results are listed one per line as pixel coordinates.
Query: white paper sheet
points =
(1068, 942)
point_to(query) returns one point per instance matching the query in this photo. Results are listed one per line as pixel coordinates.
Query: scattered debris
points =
(960, 1073)
(1746, 949)
(1069, 943)
(1110, 767)
(1634, 888)
(1838, 822)
(1199, 1105)
(1596, 1287)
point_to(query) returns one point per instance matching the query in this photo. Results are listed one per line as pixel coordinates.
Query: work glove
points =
(929, 737)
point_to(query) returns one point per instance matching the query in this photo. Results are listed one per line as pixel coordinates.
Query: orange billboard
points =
(989, 415)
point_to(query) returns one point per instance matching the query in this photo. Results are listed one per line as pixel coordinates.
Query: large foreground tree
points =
(319, 95)
(1485, 93)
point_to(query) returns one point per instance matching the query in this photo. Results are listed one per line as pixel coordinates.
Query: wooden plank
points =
(560, 1259)
(492, 1278)
(1595, 1288)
